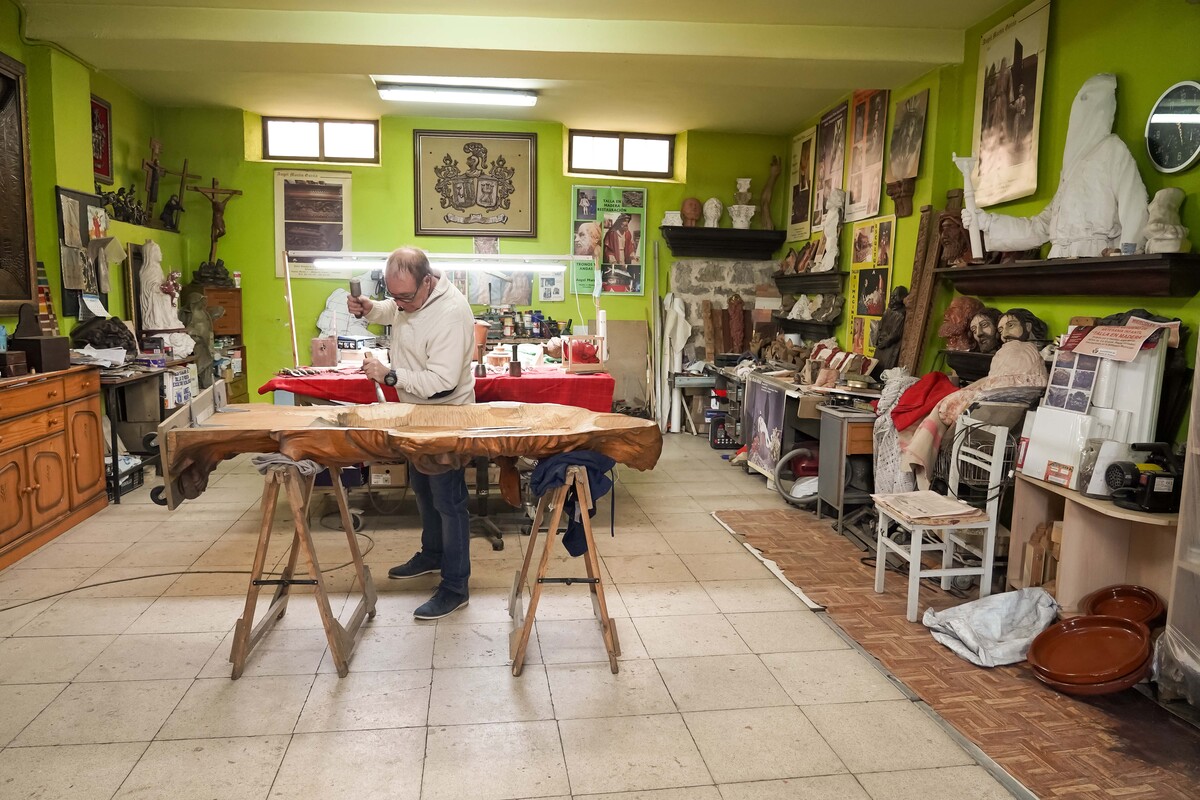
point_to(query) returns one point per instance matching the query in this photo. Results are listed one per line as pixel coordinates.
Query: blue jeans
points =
(445, 524)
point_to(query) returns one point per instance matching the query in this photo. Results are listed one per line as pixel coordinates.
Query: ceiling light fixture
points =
(460, 95)
(471, 262)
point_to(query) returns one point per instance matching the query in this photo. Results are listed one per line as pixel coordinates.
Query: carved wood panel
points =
(17, 258)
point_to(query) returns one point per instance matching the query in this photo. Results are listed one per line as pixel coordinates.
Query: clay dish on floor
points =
(1089, 649)
(1138, 675)
(1135, 603)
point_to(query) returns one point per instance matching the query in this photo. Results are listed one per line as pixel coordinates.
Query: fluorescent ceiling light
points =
(460, 95)
(448, 261)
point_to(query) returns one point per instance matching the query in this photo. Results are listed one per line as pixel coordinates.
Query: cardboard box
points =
(387, 475)
(493, 475)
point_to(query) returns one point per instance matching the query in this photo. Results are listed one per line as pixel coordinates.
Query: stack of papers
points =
(927, 506)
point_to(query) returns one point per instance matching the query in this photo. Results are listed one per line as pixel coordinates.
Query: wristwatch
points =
(390, 379)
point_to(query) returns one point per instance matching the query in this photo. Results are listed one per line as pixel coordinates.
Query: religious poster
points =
(1008, 105)
(312, 213)
(831, 153)
(800, 181)
(908, 132)
(469, 183)
(762, 424)
(871, 249)
(606, 234)
(867, 133)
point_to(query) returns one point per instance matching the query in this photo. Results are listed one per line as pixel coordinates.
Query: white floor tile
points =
(379, 763)
(502, 760)
(232, 769)
(627, 754)
(885, 736)
(760, 744)
(80, 772)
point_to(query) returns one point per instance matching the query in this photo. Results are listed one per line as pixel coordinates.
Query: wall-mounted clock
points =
(1173, 129)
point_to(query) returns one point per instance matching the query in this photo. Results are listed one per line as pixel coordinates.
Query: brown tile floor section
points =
(1119, 746)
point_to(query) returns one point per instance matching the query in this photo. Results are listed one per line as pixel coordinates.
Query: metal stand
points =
(519, 638)
(342, 639)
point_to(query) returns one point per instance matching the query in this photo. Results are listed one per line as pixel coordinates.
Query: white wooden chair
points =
(978, 461)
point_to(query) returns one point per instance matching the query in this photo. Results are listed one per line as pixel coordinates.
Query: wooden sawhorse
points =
(519, 639)
(342, 639)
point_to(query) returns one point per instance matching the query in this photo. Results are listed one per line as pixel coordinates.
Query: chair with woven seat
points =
(979, 467)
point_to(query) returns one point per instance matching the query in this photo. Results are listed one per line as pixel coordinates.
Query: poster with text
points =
(871, 249)
(800, 182)
(607, 224)
(831, 155)
(1008, 105)
(867, 133)
(312, 213)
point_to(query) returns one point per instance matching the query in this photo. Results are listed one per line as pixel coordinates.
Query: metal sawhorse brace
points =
(519, 638)
(342, 639)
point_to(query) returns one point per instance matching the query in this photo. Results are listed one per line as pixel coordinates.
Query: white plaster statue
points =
(831, 228)
(742, 196)
(741, 216)
(1100, 203)
(672, 218)
(802, 309)
(712, 212)
(1164, 233)
(160, 314)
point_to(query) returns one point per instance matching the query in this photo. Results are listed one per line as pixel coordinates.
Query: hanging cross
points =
(219, 198)
(154, 172)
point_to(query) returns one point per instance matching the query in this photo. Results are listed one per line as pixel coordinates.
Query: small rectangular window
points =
(643, 155)
(321, 139)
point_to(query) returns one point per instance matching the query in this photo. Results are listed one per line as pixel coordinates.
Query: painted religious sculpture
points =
(891, 329)
(832, 226)
(158, 301)
(737, 322)
(984, 329)
(955, 328)
(199, 319)
(691, 211)
(1020, 325)
(1100, 204)
(1163, 231)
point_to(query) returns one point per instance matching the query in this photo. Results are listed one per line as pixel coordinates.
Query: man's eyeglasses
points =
(409, 297)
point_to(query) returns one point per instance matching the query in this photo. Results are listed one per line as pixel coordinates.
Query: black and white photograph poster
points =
(831, 157)
(762, 416)
(800, 184)
(908, 132)
(1008, 105)
(865, 181)
(312, 213)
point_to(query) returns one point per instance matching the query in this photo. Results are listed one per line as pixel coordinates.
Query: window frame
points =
(321, 158)
(621, 136)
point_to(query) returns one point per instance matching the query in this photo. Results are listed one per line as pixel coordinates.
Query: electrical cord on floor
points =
(369, 548)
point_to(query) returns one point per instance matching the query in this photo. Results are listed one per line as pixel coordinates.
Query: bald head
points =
(409, 260)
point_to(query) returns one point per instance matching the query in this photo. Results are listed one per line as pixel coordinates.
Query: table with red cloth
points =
(534, 385)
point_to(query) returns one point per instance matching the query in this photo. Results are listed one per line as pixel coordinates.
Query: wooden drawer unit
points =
(230, 323)
(23, 399)
(860, 438)
(82, 384)
(31, 427)
(51, 457)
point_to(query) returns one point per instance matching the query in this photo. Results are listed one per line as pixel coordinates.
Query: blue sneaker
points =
(443, 603)
(419, 564)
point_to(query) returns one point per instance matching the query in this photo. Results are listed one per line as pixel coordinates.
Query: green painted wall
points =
(382, 214)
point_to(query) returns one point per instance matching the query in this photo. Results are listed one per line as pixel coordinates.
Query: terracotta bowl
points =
(1138, 675)
(1135, 603)
(1089, 650)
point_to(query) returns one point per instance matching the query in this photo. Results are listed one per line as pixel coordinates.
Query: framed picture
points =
(800, 183)
(102, 165)
(470, 183)
(831, 155)
(312, 212)
(1008, 105)
(869, 111)
(908, 132)
(18, 261)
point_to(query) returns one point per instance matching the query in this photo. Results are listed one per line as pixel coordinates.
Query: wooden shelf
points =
(1158, 275)
(808, 328)
(810, 282)
(748, 245)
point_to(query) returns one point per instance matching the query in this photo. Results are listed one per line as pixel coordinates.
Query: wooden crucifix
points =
(219, 198)
(174, 206)
(154, 173)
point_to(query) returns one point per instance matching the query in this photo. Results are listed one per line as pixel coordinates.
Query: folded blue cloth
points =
(550, 473)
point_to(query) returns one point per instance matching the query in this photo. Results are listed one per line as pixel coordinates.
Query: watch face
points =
(1173, 130)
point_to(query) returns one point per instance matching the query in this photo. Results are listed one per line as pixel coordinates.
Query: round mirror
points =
(1173, 129)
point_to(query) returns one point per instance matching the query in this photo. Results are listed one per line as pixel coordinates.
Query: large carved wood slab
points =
(432, 438)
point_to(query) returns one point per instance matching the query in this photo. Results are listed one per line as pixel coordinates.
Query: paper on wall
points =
(1118, 342)
(92, 304)
(72, 267)
(70, 218)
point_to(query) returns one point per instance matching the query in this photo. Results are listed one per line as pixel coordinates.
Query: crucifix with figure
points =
(219, 197)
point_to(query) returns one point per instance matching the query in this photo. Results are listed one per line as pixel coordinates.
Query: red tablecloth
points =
(541, 385)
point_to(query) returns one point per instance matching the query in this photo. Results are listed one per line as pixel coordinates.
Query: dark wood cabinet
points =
(51, 457)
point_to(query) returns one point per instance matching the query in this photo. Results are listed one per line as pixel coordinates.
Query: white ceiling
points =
(753, 66)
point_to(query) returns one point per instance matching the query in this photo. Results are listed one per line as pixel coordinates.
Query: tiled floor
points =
(729, 687)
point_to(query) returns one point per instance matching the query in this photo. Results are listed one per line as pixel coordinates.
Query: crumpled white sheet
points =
(994, 630)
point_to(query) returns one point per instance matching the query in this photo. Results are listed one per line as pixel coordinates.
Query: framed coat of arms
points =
(475, 184)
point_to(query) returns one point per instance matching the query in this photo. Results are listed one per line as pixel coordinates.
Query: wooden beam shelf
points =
(807, 328)
(1157, 275)
(734, 243)
(810, 282)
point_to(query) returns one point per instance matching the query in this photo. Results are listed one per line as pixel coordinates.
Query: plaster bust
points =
(1163, 231)
(713, 208)
(690, 210)
(956, 321)
(831, 225)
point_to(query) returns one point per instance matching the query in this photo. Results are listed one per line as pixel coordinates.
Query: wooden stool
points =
(341, 639)
(519, 639)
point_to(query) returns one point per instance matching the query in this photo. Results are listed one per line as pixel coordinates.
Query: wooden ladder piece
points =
(342, 639)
